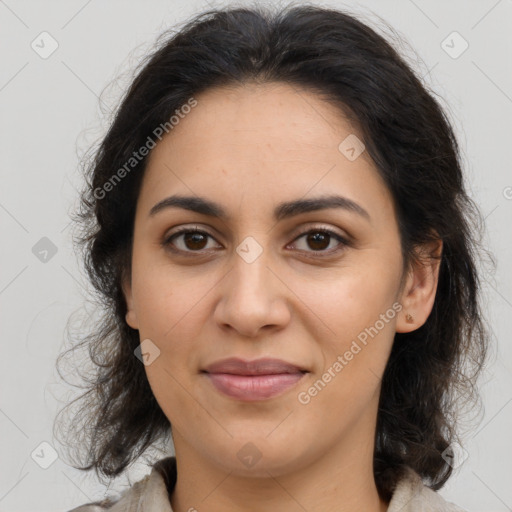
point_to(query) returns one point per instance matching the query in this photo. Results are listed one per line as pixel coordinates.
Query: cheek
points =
(165, 296)
(352, 316)
(354, 353)
(170, 314)
(171, 311)
(350, 300)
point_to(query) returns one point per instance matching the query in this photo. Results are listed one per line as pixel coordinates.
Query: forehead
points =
(259, 141)
(274, 115)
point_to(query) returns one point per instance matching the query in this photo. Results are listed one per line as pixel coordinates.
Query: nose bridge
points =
(250, 272)
(250, 290)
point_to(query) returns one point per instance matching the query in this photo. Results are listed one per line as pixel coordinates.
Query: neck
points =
(341, 480)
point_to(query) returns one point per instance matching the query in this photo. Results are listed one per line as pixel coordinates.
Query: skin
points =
(249, 148)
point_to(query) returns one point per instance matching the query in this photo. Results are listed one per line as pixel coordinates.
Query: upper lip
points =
(264, 366)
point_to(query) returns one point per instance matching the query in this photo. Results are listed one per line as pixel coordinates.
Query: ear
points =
(131, 316)
(419, 292)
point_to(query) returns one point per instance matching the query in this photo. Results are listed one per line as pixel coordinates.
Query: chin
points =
(257, 458)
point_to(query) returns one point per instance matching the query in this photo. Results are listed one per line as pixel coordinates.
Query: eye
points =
(319, 240)
(193, 240)
(196, 240)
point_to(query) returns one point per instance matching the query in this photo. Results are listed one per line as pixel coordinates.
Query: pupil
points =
(193, 237)
(318, 237)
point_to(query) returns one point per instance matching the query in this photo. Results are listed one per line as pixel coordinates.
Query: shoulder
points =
(124, 502)
(150, 494)
(412, 495)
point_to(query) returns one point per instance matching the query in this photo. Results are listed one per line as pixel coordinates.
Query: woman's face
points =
(254, 285)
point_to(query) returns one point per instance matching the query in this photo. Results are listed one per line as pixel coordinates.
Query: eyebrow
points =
(282, 211)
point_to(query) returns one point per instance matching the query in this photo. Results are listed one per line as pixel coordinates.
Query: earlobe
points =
(130, 317)
(419, 292)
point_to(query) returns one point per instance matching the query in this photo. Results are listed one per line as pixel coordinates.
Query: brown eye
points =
(319, 240)
(192, 240)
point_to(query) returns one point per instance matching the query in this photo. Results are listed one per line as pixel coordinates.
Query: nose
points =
(253, 297)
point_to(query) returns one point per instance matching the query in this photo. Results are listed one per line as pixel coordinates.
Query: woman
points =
(278, 226)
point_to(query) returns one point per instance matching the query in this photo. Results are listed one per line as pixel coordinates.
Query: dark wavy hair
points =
(432, 371)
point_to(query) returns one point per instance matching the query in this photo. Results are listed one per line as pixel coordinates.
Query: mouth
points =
(264, 366)
(253, 380)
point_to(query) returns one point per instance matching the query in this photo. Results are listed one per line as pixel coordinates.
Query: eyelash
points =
(343, 241)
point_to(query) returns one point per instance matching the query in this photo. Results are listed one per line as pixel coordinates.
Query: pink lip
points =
(256, 387)
(253, 380)
(263, 366)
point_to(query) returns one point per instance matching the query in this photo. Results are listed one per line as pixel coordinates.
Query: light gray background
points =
(50, 113)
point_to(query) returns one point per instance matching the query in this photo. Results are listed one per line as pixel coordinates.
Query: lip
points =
(250, 381)
(263, 366)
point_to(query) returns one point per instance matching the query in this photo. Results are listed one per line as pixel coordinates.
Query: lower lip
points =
(253, 387)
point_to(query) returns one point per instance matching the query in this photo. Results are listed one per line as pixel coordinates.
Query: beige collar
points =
(150, 494)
